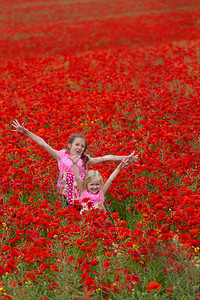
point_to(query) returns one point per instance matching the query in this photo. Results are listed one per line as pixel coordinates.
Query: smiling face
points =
(94, 185)
(92, 181)
(77, 147)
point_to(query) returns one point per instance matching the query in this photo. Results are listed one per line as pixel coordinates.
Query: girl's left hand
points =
(132, 158)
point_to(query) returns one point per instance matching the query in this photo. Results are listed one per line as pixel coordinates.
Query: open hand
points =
(132, 158)
(18, 127)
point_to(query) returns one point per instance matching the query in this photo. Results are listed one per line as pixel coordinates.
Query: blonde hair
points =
(90, 175)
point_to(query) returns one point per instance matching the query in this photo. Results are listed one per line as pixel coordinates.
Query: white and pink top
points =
(92, 201)
(67, 185)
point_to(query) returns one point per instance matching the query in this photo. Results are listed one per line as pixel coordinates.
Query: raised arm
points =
(20, 128)
(114, 175)
(98, 160)
(76, 173)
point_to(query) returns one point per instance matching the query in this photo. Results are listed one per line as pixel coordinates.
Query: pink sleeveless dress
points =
(92, 201)
(67, 185)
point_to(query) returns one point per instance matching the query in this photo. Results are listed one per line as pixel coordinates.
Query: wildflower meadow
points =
(125, 74)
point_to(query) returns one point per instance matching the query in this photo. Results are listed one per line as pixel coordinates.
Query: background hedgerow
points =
(126, 75)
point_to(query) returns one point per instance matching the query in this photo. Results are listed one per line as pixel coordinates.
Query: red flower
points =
(53, 286)
(83, 248)
(153, 285)
(145, 216)
(89, 281)
(77, 202)
(11, 264)
(194, 231)
(31, 199)
(159, 206)
(54, 267)
(93, 246)
(80, 242)
(85, 200)
(5, 248)
(144, 251)
(94, 262)
(169, 290)
(90, 204)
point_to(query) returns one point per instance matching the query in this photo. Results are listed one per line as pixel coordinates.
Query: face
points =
(77, 147)
(94, 186)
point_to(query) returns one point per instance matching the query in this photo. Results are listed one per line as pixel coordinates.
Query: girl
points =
(77, 145)
(91, 188)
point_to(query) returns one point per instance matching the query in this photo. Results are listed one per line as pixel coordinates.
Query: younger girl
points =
(91, 188)
(77, 145)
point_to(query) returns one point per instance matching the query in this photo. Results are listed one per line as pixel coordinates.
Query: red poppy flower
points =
(5, 248)
(85, 200)
(90, 204)
(83, 248)
(153, 285)
(194, 231)
(169, 290)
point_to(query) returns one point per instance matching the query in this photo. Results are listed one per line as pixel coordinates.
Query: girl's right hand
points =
(18, 127)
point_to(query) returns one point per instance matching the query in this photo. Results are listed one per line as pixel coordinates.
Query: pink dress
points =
(66, 182)
(92, 201)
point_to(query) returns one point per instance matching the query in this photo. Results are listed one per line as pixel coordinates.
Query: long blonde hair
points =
(90, 175)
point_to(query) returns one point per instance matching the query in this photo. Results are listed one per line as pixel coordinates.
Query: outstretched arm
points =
(76, 173)
(114, 175)
(20, 128)
(98, 160)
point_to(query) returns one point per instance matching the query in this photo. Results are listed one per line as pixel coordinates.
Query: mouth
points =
(78, 152)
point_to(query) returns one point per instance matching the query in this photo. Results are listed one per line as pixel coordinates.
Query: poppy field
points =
(125, 74)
